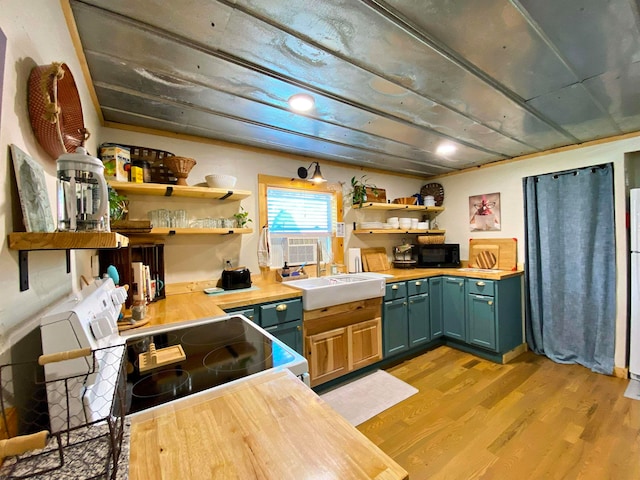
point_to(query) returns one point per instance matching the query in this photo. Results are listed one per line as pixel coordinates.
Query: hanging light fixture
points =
(301, 102)
(317, 174)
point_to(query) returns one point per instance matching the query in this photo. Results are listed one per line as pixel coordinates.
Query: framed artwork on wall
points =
(32, 188)
(3, 48)
(484, 212)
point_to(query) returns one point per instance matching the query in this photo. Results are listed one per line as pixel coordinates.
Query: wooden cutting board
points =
(375, 259)
(482, 252)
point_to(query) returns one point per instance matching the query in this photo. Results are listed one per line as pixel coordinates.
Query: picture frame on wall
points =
(32, 188)
(484, 212)
(3, 49)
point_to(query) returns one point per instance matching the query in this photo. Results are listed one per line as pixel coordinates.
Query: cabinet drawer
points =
(395, 290)
(481, 287)
(416, 287)
(280, 312)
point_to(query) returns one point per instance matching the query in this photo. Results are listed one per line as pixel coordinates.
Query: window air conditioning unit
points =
(300, 250)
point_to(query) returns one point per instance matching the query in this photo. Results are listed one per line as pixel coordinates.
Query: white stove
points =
(208, 354)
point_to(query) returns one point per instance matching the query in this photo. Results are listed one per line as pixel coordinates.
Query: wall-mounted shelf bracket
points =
(227, 195)
(168, 192)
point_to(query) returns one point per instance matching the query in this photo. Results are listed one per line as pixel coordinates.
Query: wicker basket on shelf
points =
(430, 239)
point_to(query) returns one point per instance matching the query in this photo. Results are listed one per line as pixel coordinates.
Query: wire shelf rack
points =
(69, 427)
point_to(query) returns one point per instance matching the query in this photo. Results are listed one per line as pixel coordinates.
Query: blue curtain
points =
(570, 266)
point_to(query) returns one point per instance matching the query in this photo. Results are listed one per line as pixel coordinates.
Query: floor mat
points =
(361, 399)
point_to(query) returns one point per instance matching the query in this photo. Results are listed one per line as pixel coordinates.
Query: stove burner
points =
(234, 357)
(171, 382)
(223, 332)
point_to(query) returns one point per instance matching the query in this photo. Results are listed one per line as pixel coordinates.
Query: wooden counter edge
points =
(284, 379)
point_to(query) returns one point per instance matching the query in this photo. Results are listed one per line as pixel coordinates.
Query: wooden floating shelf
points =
(164, 190)
(397, 230)
(65, 240)
(398, 206)
(195, 231)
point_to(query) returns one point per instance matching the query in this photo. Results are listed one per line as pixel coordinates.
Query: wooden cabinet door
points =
(365, 342)
(453, 308)
(482, 321)
(327, 354)
(418, 317)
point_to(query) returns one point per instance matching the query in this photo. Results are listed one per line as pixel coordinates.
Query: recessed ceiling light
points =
(301, 102)
(446, 149)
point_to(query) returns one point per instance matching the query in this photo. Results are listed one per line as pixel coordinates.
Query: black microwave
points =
(439, 255)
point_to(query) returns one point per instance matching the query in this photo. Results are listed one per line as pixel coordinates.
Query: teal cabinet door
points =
(418, 317)
(247, 312)
(453, 308)
(395, 331)
(435, 307)
(482, 321)
(289, 333)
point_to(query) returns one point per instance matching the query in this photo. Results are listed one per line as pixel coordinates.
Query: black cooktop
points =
(216, 352)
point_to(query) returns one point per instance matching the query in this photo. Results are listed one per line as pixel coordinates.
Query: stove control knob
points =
(118, 296)
(101, 327)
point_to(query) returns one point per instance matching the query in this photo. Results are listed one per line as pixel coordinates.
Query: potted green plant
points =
(359, 188)
(118, 206)
(242, 218)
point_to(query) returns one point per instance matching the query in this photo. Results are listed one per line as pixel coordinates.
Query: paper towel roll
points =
(354, 260)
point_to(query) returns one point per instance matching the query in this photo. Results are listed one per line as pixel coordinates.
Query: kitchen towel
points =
(366, 397)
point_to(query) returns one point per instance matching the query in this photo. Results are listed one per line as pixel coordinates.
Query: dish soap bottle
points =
(286, 271)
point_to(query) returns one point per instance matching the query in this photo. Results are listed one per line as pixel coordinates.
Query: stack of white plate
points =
(371, 225)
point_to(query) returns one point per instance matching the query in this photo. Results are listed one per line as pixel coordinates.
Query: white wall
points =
(196, 257)
(507, 180)
(36, 35)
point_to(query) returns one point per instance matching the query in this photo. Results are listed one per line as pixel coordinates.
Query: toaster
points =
(236, 278)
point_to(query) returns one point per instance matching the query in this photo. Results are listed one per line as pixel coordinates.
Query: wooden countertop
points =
(270, 426)
(194, 304)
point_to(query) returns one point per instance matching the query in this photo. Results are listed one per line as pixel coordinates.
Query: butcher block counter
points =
(270, 426)
(188, 302)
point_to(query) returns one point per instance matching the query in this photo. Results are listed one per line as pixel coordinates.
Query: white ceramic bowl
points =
(218, 180)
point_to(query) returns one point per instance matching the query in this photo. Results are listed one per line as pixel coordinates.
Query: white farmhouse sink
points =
(327, 291)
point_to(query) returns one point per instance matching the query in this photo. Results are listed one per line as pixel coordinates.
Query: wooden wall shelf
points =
(388, 231)
(26, 241)
(165, 232)
(398, 206)
(164, 190)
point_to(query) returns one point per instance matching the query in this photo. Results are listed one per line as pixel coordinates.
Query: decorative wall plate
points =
(435, 190)
(55, 110)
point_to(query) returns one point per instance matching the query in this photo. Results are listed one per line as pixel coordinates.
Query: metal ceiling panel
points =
(392, 80)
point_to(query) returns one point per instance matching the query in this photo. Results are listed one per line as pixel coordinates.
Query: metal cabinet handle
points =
(480, 284)
(418, 283)
(460, 284)
(281, 308)
(404, 303)
(298, 328)
(490, 302)
(394, 287)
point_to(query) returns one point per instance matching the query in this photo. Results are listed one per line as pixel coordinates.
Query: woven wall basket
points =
(55, 110)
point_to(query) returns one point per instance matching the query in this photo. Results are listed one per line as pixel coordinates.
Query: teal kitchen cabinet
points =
(281, 319)
(405, 319)
(418, 312)
(435, 307)
(494, 313)
(395, 327)
(453, 308)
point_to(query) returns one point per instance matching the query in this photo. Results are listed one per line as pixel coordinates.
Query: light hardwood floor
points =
(529, 419)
